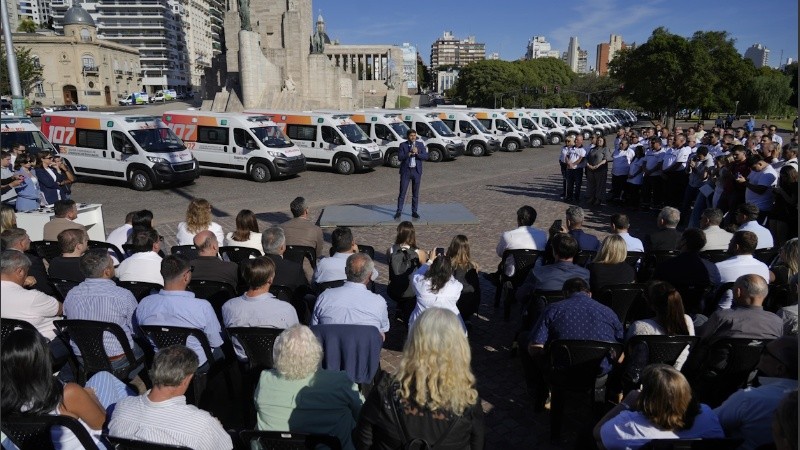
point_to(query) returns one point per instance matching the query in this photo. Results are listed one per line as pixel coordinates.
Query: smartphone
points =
(556, 224)
(439, 251)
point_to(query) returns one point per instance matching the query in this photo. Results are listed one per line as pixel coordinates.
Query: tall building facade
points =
(538, 47)
(758, 54)
(36, 10)
(583, 61)
(409, 65)
(602, 58)
(572, 53)
(451, 51)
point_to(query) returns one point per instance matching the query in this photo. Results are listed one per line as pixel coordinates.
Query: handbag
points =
(417, 443)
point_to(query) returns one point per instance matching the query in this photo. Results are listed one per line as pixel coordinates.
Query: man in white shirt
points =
(619, 226)
(742, 246)
(653, 188)
(161, 415)
(789, 155)
(674, 167)
(746, 215)
(716, 237)
(119, 236)
(32, 306)
(776, 138)
(332, 268)
(573, 158)
(759, 184)
(525, 236)
(145, 264)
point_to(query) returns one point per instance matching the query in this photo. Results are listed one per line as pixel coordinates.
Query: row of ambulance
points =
(149, 151)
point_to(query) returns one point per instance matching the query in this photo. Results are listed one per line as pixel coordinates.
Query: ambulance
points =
(327, 139)
(464, 124)
(240, 143)
(139, 149)
(386, 129)
(522, 120)
(20, 130)
(437, 136)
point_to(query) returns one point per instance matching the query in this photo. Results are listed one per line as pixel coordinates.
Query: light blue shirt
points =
(263, 311)
(763, 234)
(351, 304)
(102, 300)
(182, 309)
(634, 244)
(332, 268)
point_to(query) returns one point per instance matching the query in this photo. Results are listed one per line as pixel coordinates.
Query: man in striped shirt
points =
(161, 415)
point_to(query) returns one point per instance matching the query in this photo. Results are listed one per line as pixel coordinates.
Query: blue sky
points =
(506, 26)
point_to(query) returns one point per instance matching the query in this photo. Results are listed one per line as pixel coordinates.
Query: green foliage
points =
(403, 102)
(423, 76)
(29, 73)
(727, 72)
(791, 72)
(26, 26)
(602, 91)
(768, 93)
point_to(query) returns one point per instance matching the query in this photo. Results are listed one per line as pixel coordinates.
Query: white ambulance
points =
(139, 149)
(327, 139)
(465, 125)
(437, 136)
(386, 129)
(20, 130)
(251, 144)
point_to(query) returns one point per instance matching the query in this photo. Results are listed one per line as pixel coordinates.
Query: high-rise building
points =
(450, 51)
(538, 47)
(583, 61)
(409, 65)
(602, 58)
(572, 53)
(758, 54)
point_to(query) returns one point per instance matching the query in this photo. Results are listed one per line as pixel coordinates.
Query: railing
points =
(92, 93)
(91, 69)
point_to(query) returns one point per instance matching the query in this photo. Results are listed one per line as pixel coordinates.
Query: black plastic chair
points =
(584, 257)
(62, 286)
(140, 289)
(130, 249)
(780, 295)
(651, 260)
(118, 443)
(626, 300)
(766, 255)
(635, 259)
(720, 292)
(46, 249)
(285, 440)
(238, 254)
(368, 249)
(535, 305)
(321, 287)
(715, 256)
(693, 444)
(257, 344)
(301, 307)
(8, 326)
(216, 292)
(100, 245)
(161, 336)
(575, 366)
(524, 260)
(719, 370)
(87, 335)
(694, 297)
(643, 350)
(33, 432)
(298, 253)
(189, 251)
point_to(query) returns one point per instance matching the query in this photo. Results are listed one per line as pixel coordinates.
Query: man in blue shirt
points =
(586, 241)
(575, 317)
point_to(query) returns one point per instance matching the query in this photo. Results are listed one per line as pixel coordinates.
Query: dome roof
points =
(76, 15)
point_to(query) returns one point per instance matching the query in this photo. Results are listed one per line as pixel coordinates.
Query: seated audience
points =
(353, 303)
(198, 218)
(525, 236)
(786, 267)
(119, 236)
(746, 216)
(300, 230)
(747, 318)
(287, 273)
(433, 392)
(551, 277)
(30, 389)
(435, 287)
(65, 212)
(783, 216)
(145, 264)
(404, 258)
(742, 246)
(16, 239)
(609, 266)
(8, 218)
(207, 265)
(465, 271)
(688, 268)
(664, 408)
(74, 243)
(586, 241)
(32, 306)
(296, 395)
(748, 413)
(716, 237)
(161, 415)
(619, 226)
(257, 307)
(332, 268)
(246, 234)
(175, 306)
(667, 236)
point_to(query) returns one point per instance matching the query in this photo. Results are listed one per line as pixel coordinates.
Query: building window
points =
(88, 62)
(86, 36)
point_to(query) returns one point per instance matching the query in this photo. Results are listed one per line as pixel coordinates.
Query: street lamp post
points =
(736, 110)
(52, 90)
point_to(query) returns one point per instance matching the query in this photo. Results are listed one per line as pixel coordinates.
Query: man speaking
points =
(411, 155)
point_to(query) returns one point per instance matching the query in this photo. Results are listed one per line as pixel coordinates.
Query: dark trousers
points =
(689, 197)
(653, 190)
(617, 186)
(415, 179)
(574, 181)
(675, 186)
(632, 194)
(563, 179)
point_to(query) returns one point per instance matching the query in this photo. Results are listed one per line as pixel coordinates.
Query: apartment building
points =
(448, 50)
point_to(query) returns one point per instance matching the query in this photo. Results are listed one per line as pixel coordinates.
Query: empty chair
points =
(535, 305)
(635, 259)
(129, 444)
(140, 289)
(46, 249)
(302, 308)
(33, 432)
(287, 441)
(651, 260)
(298, 253)
(626, 300)
(238, 254)
(216, 292)
(643, 350)
(107, 247)
(766, 255)
(189, 251)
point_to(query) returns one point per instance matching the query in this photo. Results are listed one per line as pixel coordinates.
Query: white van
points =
(243, 143)
(437, 136)
(555, 132)
(512, 138)
(576, 117)
(465, 125)
(20, 130)
(386, 129)
(521, 119)
(570, 123)
(327, 140)
(137, 148)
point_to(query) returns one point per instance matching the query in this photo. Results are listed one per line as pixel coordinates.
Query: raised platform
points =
(371, 215)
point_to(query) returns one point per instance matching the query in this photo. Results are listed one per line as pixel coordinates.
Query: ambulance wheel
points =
(260, 172)
(345, 165)
(140, 180)
(536, 141)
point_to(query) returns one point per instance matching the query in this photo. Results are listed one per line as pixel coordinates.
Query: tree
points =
(30, 71)
(791, 72)
(423, 76)
(601, 90)
(27, 26)
(726, 73)
(769, 92)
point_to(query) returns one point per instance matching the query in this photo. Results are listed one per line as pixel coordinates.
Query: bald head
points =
(206, 243)
(359, 267)
(750, 290)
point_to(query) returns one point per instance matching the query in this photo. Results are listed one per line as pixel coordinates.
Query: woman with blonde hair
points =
(609, 266)
(198, 218)
(431, 398)
(297, 395)
(8, 218)
(786, 266)
(664, 409)
(465, 271)
(247, 233)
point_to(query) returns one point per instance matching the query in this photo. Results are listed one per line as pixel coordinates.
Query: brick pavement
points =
(510, 421)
